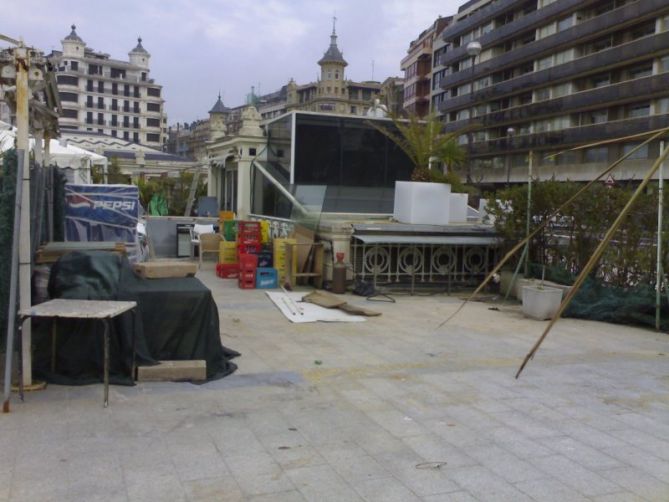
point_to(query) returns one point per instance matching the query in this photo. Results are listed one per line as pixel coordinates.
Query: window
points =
(601, 80)
(135, 122)
(89, 101)
(564, 56)
(114, 120)
(598, 117)
(136, 91)
(544, 63)
(74, 65)
(126, 121)
(135, 137)
(126, 90)
(114, 104)
(126, 135)
(101, 86)
(252, 152)
(153, 107)
(67, 80)
(135, 107)
(114, 88)
(542, 94)
(89, 85)
(354, 110)
(643, 70)
(638, 110)
(597, 154)
(143, 76)
(662, 106)
(664, 63)
(94, 69)
(113, 133)
(153, 138)
(101, 119)
(70, 114)
(126, 106)
(641, 153)
(153, 91)
(565, 23)
(89, 117)
(546, 31)
(153, 122)
(561, 90)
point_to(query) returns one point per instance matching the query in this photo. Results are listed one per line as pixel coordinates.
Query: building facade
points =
(545, 76)
(109, 96)
(417, 68)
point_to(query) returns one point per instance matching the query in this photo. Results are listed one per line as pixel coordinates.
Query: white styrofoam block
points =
(423, 203)
(458, 207)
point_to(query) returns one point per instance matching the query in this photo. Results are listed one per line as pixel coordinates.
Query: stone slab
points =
(165, 268)
(173, 371)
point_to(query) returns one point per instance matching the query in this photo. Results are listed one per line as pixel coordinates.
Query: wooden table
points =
(101, 310)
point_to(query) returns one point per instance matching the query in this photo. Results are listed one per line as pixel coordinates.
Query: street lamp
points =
(473, 50)
(509, 134)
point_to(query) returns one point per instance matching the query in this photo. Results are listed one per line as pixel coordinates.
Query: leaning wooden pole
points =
(594, 258)
(521, 244)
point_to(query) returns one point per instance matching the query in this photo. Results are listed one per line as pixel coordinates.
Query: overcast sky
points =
(200, 46)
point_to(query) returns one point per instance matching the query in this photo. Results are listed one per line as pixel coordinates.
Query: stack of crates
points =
(227, 260)
(248, 264)
(280, 257)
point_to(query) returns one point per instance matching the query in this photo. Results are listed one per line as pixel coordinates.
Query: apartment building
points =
(109, 96)
(417, 68)
(544, 76)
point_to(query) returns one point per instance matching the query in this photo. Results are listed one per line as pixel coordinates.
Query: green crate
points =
(230, 230)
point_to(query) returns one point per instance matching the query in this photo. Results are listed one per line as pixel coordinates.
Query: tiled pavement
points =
(397, 410)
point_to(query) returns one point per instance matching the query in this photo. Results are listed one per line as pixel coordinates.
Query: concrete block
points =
(424, 203)
(173, 371)
(458, 207)
(165, 268)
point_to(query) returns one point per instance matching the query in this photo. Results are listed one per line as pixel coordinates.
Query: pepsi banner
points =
(101, 213)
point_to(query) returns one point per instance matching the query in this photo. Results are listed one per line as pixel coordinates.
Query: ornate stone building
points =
(109, 96)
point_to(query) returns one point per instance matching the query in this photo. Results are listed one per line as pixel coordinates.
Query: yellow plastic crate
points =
(227, 252)
(279, 257)
(264, 232)
(226, 215)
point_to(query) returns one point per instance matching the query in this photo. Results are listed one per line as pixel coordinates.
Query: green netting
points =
(598, 301)
(7, 191)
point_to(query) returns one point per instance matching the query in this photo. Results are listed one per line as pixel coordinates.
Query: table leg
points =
(134, 343)
(106, 361)
(20, 347)
(54, 328)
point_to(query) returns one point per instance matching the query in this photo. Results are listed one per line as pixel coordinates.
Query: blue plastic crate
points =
(267, 278)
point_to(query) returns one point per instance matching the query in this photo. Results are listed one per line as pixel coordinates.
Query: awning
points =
(438, 240)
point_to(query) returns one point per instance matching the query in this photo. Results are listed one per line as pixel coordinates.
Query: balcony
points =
(501, 34)
(487, 13)
(621, 54)
(624, 92)
(572, 136)
(632, 13)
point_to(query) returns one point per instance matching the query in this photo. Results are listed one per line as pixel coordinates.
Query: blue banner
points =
(101, 213)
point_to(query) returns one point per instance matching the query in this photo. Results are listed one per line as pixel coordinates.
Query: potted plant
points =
(541, 302)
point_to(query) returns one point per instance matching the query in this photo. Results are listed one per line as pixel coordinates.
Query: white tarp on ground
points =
(297, 311)
(75, 161)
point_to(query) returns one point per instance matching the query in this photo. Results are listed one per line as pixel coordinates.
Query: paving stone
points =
(639, 483)
(576, 476)
(173, 371)
(213, 489)
(483, 484)
(258, 474)
(550, 490)
(459, 496)
(322, 484)
(384, 490)
(578, 452)
(504, 464)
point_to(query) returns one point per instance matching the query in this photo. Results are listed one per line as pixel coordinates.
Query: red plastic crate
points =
(248, 232)
(248, 262)
(249, 248)
(247, 280)
(227, 270)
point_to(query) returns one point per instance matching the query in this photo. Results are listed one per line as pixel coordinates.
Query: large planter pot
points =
(541, 302)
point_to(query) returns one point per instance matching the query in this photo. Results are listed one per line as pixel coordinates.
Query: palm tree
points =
(424, 141)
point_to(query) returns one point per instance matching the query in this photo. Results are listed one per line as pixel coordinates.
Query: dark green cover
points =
(177, 320)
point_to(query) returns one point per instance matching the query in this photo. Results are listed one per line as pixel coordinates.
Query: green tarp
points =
(177, 320)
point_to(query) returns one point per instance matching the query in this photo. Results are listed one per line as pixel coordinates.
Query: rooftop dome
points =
(333, 54)
(139, 47)
(218, 107)
(73, 35)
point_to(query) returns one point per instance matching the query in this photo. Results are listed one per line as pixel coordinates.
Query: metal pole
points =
(658, 270)
(22, 60)
(529, 214)
(13, 281)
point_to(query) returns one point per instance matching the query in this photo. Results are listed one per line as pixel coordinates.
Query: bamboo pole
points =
(594, 258)
(571, 199)
(658, 268)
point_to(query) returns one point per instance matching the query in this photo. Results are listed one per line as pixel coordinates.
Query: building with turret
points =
(109, 96)
(331, 93)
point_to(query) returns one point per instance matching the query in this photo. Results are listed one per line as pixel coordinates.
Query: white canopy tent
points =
(75, 161)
